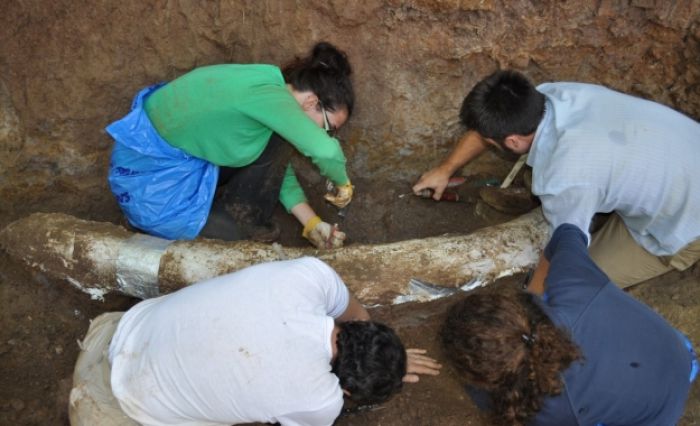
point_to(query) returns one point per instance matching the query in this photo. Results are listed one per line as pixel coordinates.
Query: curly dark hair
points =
(371, 361)
(326, 72)
(506, 345)
(504, 103)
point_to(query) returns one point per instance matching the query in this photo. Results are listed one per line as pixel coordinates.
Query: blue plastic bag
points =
(161, 189)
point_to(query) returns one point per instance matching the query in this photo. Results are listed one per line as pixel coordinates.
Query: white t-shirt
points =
(252, 346)
(598, 150)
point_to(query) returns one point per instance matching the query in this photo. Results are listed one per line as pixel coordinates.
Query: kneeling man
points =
(275, 342)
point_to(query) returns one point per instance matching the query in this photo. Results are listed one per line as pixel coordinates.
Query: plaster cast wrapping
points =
(138, 264)
(100, 257)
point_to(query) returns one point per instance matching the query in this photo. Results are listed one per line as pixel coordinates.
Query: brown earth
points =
(42, 319)
(67, 70)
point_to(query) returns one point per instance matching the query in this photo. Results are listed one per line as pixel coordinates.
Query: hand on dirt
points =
(342, 195)
(323, 235)
(418, 363)
(435, 179)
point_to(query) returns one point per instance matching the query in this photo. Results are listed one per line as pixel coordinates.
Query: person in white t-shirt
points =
(276, 342)
(594, 150)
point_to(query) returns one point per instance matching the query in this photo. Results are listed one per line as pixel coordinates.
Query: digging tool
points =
(447, 195)
(342, 212)
(514, 171)
(510, 200)
(329, 241)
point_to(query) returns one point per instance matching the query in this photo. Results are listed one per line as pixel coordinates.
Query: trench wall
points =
(68, 68)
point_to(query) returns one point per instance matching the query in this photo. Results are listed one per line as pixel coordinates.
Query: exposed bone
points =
(99, 257)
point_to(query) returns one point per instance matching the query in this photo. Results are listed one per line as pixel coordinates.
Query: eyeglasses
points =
(326, 123)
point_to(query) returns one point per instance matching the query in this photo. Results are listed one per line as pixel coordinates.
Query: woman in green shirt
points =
(234, 127)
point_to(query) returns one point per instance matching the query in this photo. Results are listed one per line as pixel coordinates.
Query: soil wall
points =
(69, 68)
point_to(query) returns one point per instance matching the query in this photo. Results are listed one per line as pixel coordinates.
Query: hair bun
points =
(325, 55)
(326, 72)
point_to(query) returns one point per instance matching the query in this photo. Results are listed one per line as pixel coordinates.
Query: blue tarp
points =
(161, 189)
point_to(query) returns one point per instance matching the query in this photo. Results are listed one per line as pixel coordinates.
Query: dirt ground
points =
(42, 319)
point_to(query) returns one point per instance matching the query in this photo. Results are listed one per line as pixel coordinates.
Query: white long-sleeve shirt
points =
(252, 346)
(598, 150)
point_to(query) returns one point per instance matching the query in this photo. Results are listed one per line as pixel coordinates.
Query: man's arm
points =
(566, 270)
(469, 147)
(354, 312)
(575, 205)
(536, 284)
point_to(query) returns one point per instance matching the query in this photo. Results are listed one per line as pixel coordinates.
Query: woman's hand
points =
(342, 195)
(323, 235)
(417, 363)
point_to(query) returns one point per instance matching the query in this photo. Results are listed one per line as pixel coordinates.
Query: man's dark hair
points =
(326, 72)
(504, 344)
(504, 103)
(371, 361)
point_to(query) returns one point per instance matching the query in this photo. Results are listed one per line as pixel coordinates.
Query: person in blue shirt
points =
(583, 352)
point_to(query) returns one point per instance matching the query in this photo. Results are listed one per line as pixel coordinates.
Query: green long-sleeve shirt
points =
(225, 114)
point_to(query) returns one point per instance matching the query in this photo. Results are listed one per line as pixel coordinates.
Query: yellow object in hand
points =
(310, 225)
(323, 235)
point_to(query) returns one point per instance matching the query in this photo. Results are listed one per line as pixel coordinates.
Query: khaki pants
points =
(91, 399)
(626, 263)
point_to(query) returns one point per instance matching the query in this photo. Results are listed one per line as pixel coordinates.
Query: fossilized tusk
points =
(99, 257)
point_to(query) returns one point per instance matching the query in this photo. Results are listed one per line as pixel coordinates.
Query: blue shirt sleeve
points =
(573, 279)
